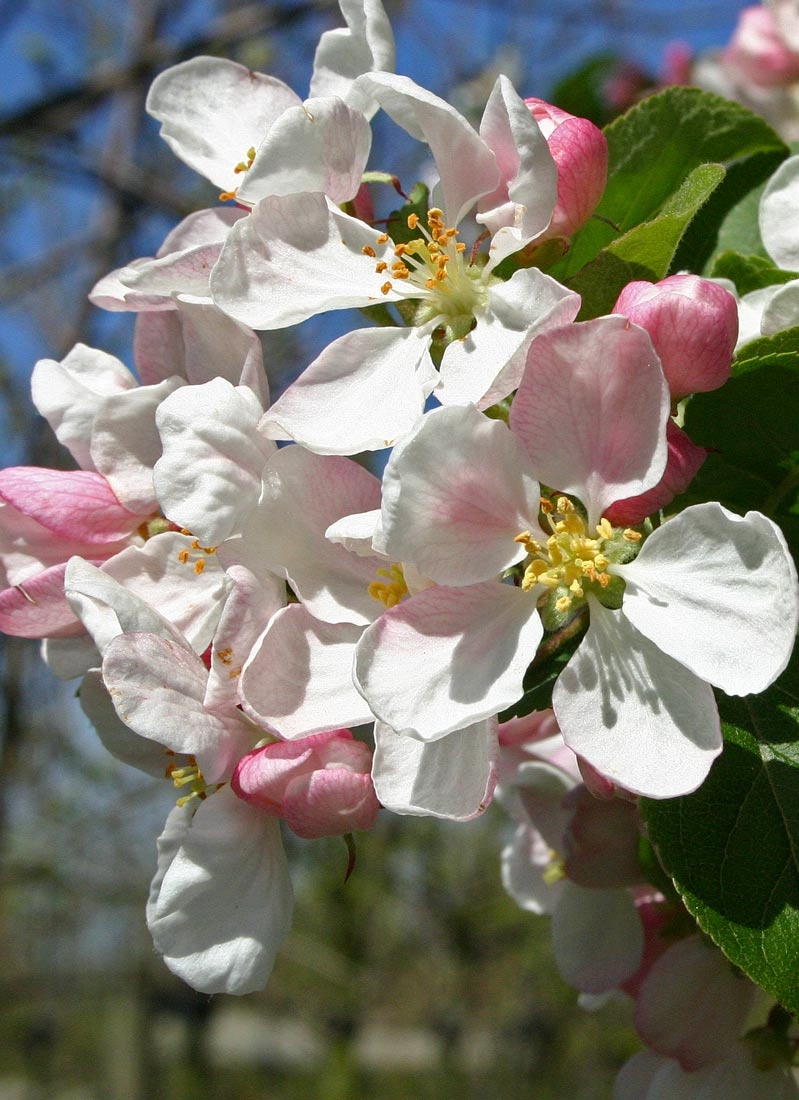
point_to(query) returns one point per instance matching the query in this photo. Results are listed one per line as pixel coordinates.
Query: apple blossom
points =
(299, 255)
(461, 501)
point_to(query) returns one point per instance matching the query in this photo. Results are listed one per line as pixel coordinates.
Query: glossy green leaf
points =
(645, 252)
(654, 147)
(732, 847)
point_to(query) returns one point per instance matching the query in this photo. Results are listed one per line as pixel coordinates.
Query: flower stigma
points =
(242, 166)
(391, 591)
(572, 561)
(432, 268)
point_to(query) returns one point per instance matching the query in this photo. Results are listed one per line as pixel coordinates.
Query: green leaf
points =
(732, 847)
(748, 272)
(751, 428)
(654, 148)
(646, 251)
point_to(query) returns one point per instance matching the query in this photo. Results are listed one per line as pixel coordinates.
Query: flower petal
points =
(592, 409)
(452, 778)
(220, 904)
(636, 715)
(448, 657)
(718, 593)
(597, 937)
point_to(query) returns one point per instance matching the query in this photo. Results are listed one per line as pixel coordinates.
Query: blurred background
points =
(419, 978)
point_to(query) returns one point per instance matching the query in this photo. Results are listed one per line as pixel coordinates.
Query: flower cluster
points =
(240, 590)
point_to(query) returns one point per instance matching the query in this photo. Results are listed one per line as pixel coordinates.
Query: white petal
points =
(779, 207)
(488, 364)
(221, 902)
(448, 657)
(366, 390)
(120, 740)
(592, 410)
(365, 44)
(597, 937)
(781, 309)
(212, 111)
(524, 864)
(453, 142)
(522, 206)
(298, 679)
(125, 444)
(456, 495)
(320, 145)
(296, 256)
(635, 714)
(718, 593)
(209, 476)
(452, 778)
(303, 494)
(158, 688)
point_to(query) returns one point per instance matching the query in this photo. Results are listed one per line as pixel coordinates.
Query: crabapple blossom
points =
(299, 255)
(461, 501)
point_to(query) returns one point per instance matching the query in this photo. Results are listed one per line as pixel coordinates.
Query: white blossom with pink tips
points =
(461, 502)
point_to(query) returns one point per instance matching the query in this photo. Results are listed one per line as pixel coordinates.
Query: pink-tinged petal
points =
(634, 713)
(303, 494)
(452, 778)
(757, 51)
(693, 324)
(487, 365)
(597, 937)
(201, 228)
(682, 465)
(356, 532)
(456, 495)
(693, 1005)
(295, 256)
(320, 145)
(38, 608)
(186, 273)
(298, 679)
(209, 476)
(525, 862)
(321, 784)
(366, 390)
(521, 207)
(221, 901)
(125, 444)
(717, 592)
(158, 687)
(365, 44)
(74, 504)
(779, 226)
(600, 844)
(452, 140)
(448, 657)
(592, 409)
(204, 343)
(331, 802)
(212, 111)
(249, 607)
(580, 152)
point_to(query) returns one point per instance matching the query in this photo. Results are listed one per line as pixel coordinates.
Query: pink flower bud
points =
(601, 841)
(580, 152)
(320, 784)
(683, 461)
(758, 50)
(693, 324)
